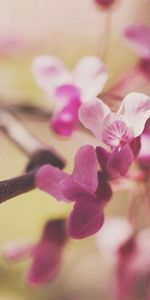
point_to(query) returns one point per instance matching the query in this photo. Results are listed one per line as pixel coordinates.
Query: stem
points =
(28, 143)
(106, 34)
(16, 186)
(130, 81)
(18, 133)
(32, 111)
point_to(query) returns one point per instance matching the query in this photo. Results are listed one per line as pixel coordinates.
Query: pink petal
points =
(92, 115)
(104, 191)
(115, 131)
(48, 179)
(103, 157)
(144, 154)
(55, 231)
(120, 161)
(136, 109)
(85, 219)
(49, 72)
(90, 76)
(136, 145)
(46, 263)
(14, 251)
(85, 168)
(67, 93)
(105, 4)
(65, 121)
(138, 35)
(74, 191)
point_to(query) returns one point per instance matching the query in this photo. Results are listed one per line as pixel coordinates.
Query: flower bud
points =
(106, 4)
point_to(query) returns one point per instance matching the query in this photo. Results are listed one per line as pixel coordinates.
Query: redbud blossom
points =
(130, 254)
(89, 192)
(69, 89)
(46, 254)
(116, 129)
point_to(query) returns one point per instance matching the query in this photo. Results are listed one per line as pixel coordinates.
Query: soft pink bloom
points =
(116, 129)
(138, 36)
(69, 89)
(46, 254)
(131, 254)
(84, 187)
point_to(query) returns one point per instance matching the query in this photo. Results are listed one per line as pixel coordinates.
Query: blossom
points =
(83, 187)
(131, 256)
(46, 254)
(138, 37)
(120, 131)
(69, 89)
(120, 128)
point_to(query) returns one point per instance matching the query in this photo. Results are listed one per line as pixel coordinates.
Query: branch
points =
(16, 186)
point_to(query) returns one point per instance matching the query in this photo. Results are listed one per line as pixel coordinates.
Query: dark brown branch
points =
(16, 186)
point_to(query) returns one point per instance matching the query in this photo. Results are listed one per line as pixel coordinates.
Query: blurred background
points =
(68, 29)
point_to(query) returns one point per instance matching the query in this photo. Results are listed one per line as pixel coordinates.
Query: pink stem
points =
(129, 82)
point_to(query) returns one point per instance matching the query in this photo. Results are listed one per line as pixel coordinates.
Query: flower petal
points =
(115, 131)
(65, 120)
(67, 93)
(92, 115)
(73, 190)
(85, 168)
(144, 154)
(48, 179)
(102, 156)
(104, 191)
(138, 35)
(14, 251)
(85, 219)
(120, 161)
(90, 76)
(49, 72)
(136, 109)
(46, 263)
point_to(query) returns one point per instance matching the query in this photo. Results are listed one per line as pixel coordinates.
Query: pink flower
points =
(116, 129)
(46, 254)
(69, 89)
(138, 36)
(84, 187)
(131, 256)
(121, 130)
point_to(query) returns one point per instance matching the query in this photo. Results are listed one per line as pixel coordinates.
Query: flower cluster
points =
(122, 139)
(69, 89)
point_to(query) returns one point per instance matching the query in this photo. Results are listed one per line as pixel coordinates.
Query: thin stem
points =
(128, 81)
(106, 35)
(16, 186)
(27, 142)
(31, 111)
